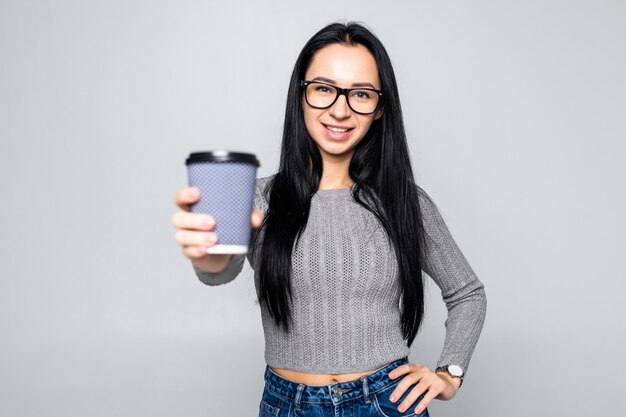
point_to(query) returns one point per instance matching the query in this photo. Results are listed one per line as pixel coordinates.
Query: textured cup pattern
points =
(226, 192)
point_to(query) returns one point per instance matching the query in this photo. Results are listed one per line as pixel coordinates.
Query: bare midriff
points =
(317, 379)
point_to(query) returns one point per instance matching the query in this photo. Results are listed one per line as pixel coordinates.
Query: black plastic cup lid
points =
(221, 156)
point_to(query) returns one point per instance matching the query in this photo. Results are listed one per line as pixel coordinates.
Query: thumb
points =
(256, 218)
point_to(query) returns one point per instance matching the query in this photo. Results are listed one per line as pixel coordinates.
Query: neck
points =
(335, 173)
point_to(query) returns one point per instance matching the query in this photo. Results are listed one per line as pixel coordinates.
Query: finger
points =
(256, 218)
(404, 385)
(189, 237)
(404, 369)
(430, 387)
(426, 399)
(413, 396)
(186, 196)
(193, 221)
(399, 371)
(195, 252)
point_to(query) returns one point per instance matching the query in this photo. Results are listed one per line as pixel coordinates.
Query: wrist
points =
(212, 263)
(454, 381)
(452, 386)
(453, 373)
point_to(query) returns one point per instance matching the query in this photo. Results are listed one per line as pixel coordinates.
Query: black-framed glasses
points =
(361, 100)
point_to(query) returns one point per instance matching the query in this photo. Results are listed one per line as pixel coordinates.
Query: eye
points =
(322, 89)
(362, 94)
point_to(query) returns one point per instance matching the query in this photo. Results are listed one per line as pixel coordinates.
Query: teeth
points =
(336, 129)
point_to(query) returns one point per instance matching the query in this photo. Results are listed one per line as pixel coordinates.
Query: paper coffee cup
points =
(226, 181)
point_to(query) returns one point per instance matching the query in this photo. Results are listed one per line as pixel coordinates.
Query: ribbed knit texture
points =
(346, 290)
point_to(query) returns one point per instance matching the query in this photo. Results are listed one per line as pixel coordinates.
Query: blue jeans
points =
(367, 396)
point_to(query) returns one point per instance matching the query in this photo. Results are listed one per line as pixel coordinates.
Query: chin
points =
(337, 150)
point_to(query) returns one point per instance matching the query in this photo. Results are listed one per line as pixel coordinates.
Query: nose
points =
(340, 109)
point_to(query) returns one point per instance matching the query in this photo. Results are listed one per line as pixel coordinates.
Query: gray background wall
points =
(515, 116)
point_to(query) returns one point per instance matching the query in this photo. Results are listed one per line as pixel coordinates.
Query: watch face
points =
(455, 370)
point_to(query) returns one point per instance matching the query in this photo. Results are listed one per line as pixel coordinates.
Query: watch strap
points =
(445, 369)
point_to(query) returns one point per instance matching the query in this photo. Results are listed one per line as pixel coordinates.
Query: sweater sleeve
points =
(462, 291)
(235, 264)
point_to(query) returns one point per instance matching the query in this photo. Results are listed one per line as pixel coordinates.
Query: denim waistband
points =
(334, 393)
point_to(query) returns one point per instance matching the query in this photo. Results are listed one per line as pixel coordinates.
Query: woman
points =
(341, 234)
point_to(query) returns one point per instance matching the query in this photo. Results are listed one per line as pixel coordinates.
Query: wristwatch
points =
(455, 371)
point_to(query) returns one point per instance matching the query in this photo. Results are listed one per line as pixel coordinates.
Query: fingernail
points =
(393, 398)
(391, 375)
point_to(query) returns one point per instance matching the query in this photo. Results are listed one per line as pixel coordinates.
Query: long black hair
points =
(380, 168)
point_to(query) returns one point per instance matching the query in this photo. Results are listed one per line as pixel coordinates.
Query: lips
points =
(335, 132)
(338, 128)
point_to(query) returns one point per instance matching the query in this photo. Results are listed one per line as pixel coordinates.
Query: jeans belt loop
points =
(298, 396)
(366, 390)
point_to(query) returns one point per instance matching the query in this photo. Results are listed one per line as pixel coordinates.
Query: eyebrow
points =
(328, 80)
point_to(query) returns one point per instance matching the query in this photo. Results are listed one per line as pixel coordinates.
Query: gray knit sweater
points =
(346, 290)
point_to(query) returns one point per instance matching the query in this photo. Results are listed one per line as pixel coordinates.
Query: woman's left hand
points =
(438, 385)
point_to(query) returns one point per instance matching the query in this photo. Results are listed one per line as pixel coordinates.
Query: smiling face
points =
(343, 66)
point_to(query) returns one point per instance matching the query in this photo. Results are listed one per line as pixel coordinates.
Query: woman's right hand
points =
(195, 231)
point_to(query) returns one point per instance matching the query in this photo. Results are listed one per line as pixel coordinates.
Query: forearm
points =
(213, 263)
(467, 310)
(228, 273)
